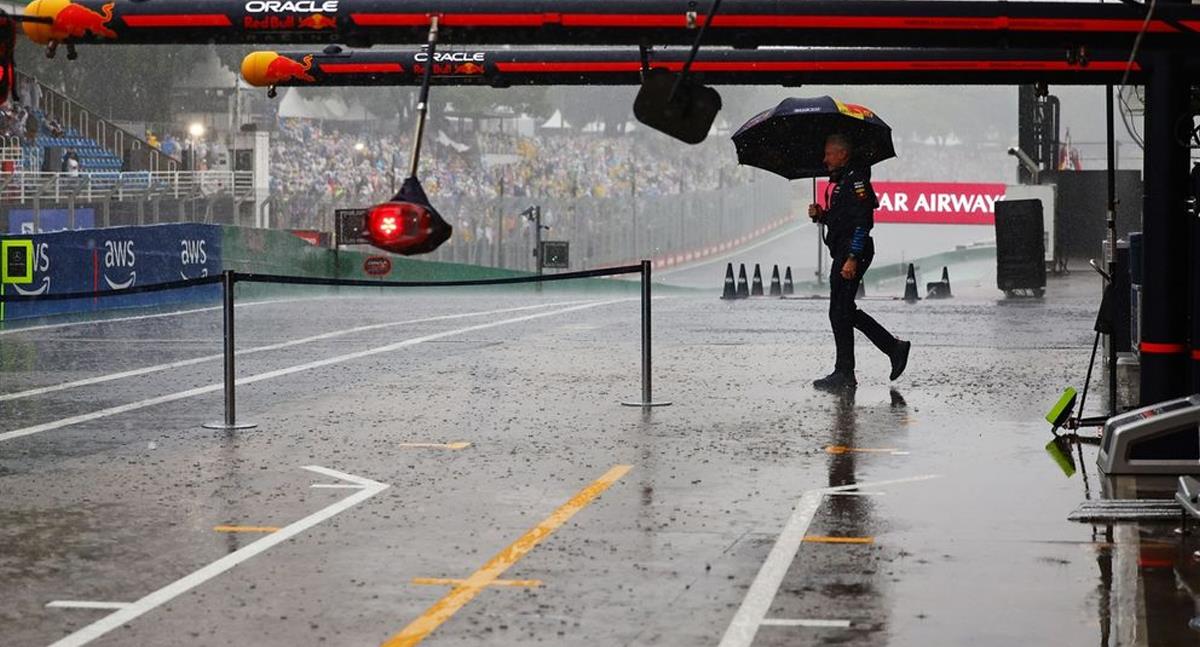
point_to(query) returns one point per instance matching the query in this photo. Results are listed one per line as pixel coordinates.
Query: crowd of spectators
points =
(317, 168)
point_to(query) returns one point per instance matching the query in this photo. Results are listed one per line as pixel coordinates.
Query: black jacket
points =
(850, 211)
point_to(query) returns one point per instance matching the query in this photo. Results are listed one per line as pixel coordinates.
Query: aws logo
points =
(119, 255)
(41, 263)
(193, 252)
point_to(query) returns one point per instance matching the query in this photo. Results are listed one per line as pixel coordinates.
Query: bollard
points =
(756, 288)
(862, 287)
(910, 286)
(743, 290)
(776, 290)
(788, 288)
(647, 401)
(730, 290)
(939, 289)
(230, 423)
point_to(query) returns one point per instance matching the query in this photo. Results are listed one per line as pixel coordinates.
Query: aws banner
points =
(935, 203)
(114, 259)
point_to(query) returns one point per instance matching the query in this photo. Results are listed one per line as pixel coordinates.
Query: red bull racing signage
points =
(935, 203)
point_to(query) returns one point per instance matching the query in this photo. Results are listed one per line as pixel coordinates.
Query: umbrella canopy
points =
(789, 139)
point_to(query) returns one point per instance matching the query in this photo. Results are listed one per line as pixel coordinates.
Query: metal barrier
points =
(602, 230)
(230, 278)
(24, 187)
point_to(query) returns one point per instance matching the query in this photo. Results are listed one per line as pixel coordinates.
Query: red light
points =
(397, 226)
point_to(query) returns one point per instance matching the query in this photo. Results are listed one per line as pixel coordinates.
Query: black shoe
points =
(836, 381)
(899, 358)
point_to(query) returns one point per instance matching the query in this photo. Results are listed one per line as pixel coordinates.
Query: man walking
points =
(848, 218)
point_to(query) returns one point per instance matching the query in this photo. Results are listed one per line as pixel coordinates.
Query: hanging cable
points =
(1137, 43)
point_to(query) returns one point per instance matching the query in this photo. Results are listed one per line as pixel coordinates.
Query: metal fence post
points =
(227, 282)
(647, 401)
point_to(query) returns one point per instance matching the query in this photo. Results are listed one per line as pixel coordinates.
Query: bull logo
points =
(468, 69)
(69, 21)
(854, 110)
(270, 68)
(317, 21)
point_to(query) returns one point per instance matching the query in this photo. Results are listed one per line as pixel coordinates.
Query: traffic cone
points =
(788, 288)
(743, 291)
(730, 291)
(910, 285)
(940, 289)
(756, 289)
(862, 287)
(776, 290)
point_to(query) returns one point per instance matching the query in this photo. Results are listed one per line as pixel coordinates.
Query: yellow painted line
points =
(446, 581)
(452, 446)
(460, 595)
(818, 539)
(245, 529)
(842, 449)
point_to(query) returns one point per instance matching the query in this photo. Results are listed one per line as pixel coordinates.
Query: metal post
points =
(230, 423)
(1164, 328)
(647, 400)
(1111, 154)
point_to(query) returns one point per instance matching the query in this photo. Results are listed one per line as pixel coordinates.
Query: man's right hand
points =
(816, 212)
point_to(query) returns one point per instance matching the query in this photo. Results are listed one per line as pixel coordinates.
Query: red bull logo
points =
(855, 110)
(317, 21)
(468, 69)
(70, 21)
(270, 68)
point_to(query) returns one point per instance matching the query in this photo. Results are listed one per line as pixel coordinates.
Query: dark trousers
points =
(845, 317)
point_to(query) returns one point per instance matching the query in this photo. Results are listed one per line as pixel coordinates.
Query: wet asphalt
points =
(965, 541)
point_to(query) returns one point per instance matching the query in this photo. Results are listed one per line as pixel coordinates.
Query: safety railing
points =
(22, 187)
(72, 114)
(229, 279)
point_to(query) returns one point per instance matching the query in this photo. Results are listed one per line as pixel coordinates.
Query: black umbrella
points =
(789, 139)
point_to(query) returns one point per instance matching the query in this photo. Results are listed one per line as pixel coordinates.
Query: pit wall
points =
(120, 257)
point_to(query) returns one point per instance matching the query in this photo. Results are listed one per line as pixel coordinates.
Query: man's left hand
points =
(850, 268)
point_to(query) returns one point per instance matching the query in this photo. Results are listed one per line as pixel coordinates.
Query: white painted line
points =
(338, 486)
(259, 349)
(856, 486)
(85, 604)
(758, 599)
(856, 493)
(783, 622)
(157, 315)
(196, 578)
(753, 611)
(191, 393)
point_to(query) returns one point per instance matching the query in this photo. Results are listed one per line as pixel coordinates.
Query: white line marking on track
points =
(784, 622)
(753, 611)
(856, 493)
(341, 486)
(85, 604)
(190, 393)
(99, 379)
(157, 315)
(196, 578)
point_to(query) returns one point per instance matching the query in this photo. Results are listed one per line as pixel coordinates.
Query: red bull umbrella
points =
(789, 139)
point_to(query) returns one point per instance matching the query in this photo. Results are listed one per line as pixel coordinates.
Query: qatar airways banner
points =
(934, 203)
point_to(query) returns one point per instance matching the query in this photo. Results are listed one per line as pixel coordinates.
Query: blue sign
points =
(20, 221)
(118, 258)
